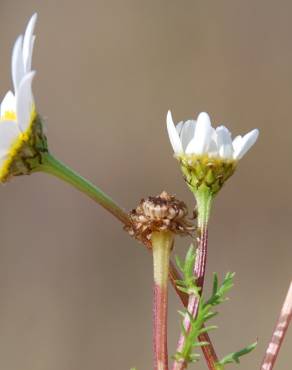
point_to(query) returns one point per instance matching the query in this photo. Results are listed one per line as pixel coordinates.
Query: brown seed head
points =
(161, 213)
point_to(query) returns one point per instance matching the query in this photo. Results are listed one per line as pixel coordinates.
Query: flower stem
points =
(279, 333)
(54, 167)
(204, 201)
(209, 350)
(161, 246)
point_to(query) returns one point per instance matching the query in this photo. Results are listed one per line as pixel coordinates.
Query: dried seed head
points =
(161, 213)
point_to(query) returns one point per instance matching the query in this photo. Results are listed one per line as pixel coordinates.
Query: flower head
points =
(208, 156)
(160, 213)
(21, 134)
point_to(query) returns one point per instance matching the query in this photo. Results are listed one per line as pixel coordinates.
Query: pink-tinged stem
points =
(161, 247)
(193, 299)
(204, 201)
(208, 351)
(160, 328)
(279, 333)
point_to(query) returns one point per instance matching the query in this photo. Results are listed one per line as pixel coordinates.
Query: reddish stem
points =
(192, 307)
(160, 327)
(161, 247)
(279, 333)
(208, 351)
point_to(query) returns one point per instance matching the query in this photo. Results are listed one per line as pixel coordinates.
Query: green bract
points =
(203, 171)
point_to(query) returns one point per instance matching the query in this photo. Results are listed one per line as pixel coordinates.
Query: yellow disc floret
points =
(20, 145)
(8, 116)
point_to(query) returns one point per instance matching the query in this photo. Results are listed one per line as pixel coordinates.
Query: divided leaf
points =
(205, 308)
(235, 356)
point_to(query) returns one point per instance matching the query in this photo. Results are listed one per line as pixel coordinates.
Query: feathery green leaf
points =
(235, 356)
(205, 308)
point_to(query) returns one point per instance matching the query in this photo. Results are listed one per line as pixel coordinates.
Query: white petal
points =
(173, 135)
(236, 143)
(17, 63)
(29, 61)
(28, 41)
(187, 132)
(224, 142)
(8, 134)
(246, 143)
(200, 143)
(179, 126)
(8, 104)
(24, 102)
(213, 150)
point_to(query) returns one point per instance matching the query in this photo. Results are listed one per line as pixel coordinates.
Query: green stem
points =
(208, 350)
(204, 201)
(161, 246)
(54, 167)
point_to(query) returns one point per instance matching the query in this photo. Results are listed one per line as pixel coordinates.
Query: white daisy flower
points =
(208, 156)
(198, 137)
(17, 110)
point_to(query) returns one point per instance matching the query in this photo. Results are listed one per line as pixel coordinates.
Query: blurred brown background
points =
(75, 290)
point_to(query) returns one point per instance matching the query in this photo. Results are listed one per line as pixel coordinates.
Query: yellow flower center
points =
(17, 144)
(8, 116)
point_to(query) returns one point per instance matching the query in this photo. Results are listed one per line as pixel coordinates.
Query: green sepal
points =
(29, 155)
(202, 170)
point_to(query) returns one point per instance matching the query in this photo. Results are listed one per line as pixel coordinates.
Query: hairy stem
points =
(279, 333)
(161, 246)
(204, 200)
(208, 351)
(54, 167)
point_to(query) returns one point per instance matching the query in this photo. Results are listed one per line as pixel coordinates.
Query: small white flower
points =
(198, 137)
(17, 110)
